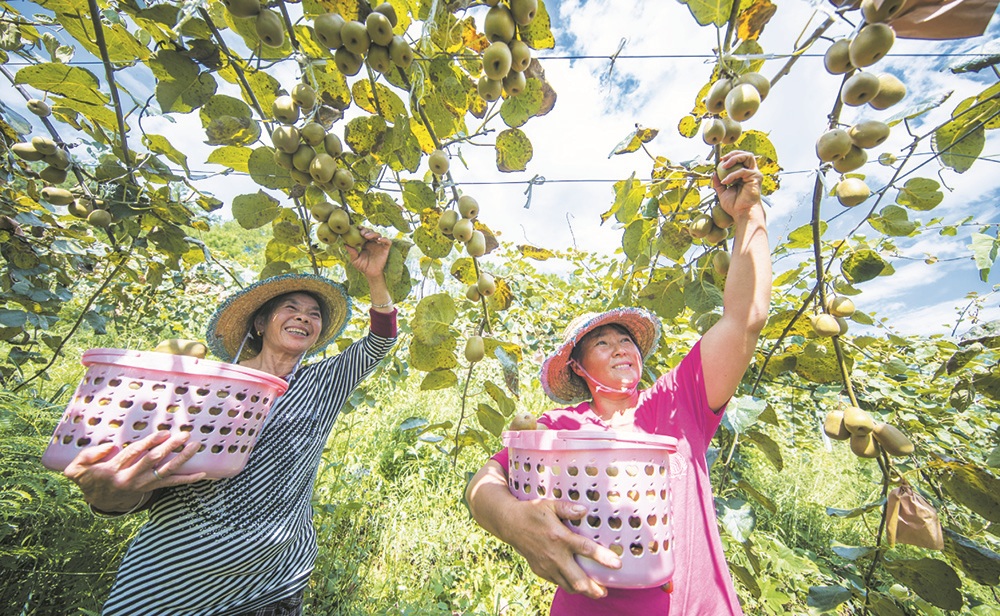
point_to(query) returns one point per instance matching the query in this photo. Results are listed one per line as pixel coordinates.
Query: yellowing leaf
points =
(73, 82)
(752, 19)
(534, 252)
(513, 150)
(256, 210)
(708, 12)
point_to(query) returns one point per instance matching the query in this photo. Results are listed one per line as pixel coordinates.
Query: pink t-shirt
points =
(675, 406)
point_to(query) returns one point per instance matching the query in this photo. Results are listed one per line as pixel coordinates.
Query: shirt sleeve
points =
(383, 323)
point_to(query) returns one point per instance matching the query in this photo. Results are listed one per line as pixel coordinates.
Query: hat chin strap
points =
(601, 387)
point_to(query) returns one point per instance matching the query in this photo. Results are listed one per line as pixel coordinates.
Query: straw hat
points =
(231, 322)
(562, 384)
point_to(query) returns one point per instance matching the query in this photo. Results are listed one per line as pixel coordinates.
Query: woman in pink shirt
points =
(597, 369)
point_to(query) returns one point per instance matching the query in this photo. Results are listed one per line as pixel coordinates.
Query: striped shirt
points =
(237, 544)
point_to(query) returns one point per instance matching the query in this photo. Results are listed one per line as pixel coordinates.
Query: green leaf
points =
(364, 134)
(918, 109)
(438, 379)
(121, 46)
(742, 412)
(228, 121)
(264, 171)
(428, 357)
(381, 210)
(853, 513)
(236, 158)
(516, 110)
(538, 33)
(491, 420)
(893, 221)
(388, 104)
(851, 552)
(753, 493)
(673, 241)
(701, 296)
(768, 447)
(634, 140)
(972, 486)
(13, 318)
(932, 579)
(827, 598)
(978, 562)
(161, 145)
(76, 84)
(180, 86)
(503, 401)
(256, 210)
(638, 238)
(688, 126)
(862, 265)
(803, 236)
(984, 251)
(433, 318)
(418, 196)
(920, 194)
(710, 12)
(431, 241)
(737, 517)
(628, 198)
(513, 150)
(535, 253)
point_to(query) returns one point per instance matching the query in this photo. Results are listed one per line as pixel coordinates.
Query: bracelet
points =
(117, 514)
(388, 304)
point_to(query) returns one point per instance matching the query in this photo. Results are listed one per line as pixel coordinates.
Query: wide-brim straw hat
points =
(565, 386)
(229, 325)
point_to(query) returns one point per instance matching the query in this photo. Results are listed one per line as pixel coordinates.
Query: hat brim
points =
(229, 325)
(562, 384)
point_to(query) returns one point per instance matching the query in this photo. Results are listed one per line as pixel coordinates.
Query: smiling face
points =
(610, 356)
(293, 325)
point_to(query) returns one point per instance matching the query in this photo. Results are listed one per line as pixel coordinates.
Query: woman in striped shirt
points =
(244, 545)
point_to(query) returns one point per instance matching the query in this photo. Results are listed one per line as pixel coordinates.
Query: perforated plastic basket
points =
(126, 395)
(622, 477)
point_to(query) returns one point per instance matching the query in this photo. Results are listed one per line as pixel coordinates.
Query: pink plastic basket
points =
(126, 395)
(623, 477)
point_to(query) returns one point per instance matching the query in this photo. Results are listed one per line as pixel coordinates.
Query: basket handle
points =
(624, 437)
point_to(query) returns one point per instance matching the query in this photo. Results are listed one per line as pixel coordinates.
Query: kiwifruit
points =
(462, 231)
(300, 177)
(283, 159)
(322, 168)
(379, 28)
(858, 421)
(332, 144)
(58, 159)
(355, 37)
(57, 196)
(353, 238)
(26, 151)
(523, 421)
(286, 138)
(489, 89)
(312, 133)
(859, 89)
(869, 134)
(713, 131)
(837, 58)
(842, 323)
(321, 211)
(892, 440)
(720, 217)
(839, 306)
(39, 108)
(497, 60)
(852, 191)
(864, 446)
(327, 28)
(378, 58)
(285, 110)
(523, 11)
(100, 218)
(476, 246)
(890, 91)
(242, 8)
(724, 172)
(339, 221)
(81, 208)
(486, 285)
(871, 44)
(270, 28)
(389, 11)
(833, 426)
(325, 234)
(520, 55)
(824, 325)
(303, 96)
(343, 179)
(742, 102)
(700, 226)
(400, 53)
(348, 62)
(715, 235)
(720, 262)
(472, 293)
(447, 220)
(715, 100)
(468, 207)
(475, 349)
(52, 175)
(438, 162)
(44, 145)
(499, 24)
(303, 157)
(733, 130)
(514, 83)
(885, 12)
(758, 81)
(855, 159)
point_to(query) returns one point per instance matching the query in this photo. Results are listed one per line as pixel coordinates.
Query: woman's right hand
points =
(535, 529)
(116, 480)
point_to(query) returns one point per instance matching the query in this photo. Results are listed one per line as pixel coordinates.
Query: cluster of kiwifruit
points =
(845, 149)
(353, 42)
(269, 25)
(739, 97)
(57, 163)
(335, 225)
(460, 225)
(475, 347)
(507, 57)
(712, 228)
(832, 322)
(868, 437)
(295, 146)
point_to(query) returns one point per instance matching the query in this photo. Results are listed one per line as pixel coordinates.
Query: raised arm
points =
(534, 529)
(728, 347)
(370, 260)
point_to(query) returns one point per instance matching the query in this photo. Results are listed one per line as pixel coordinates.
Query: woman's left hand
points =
(740, 193)
(370, 260)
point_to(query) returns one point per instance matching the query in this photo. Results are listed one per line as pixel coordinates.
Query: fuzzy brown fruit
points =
(486, 284)
(355, 37)
(700, 226)
(400, 53)
(475, 349)
(720, 262)
(57, 196)
(378, 58)
(858, 421)
(322, 168)
(859, 89)
(837, 58)
(333, 145)
(44, 145)
(892, 440)
(348, 62)
(438, 162)
(462, 231)
(833, 426)
(523, 421)
(379, 28)
(890, 91)
(871, 44)
(286, 139)
(328, 27)
(100, 218)
(824, 325)
(758, 81)
(721, 217)
(489, 89)
(468, 207)
(52, 175)
(312, 134)
(39, 108)
(285, 110)
(26, 151)
(472, 293)
(864, 446)
(339, 221)
(852, 191)
(724, 172)
(514, 83)
(520, 55)
(523, 11)
(321, 211)
(840, 306)
(389, 11)
(353, 238)
(476, 246)
(733, 130)
(446, 223)
(715, 101)
(713, 131)
(854, 159)
(499, 24)
(242, 8)
(270, 28)
(303, 96)
(343, 179)
(878, 14)
(869, 134)
(497, 60)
